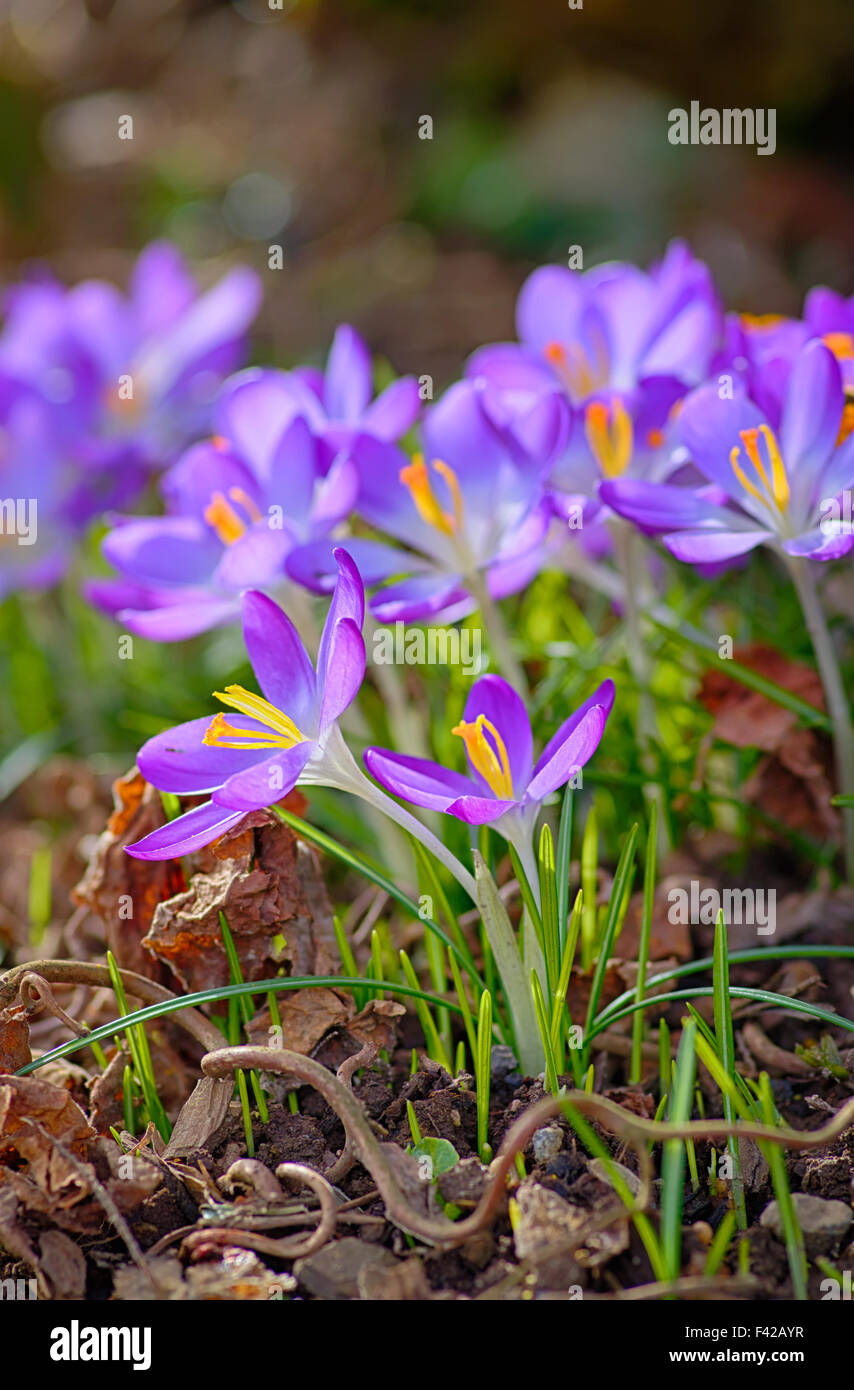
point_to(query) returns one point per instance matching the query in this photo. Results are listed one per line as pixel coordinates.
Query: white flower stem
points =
(834, 692)
(342, 771)
(496, 631)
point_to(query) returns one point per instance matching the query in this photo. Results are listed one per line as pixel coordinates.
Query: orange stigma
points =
(225, 520)
(775, 490)
(416, 477)
(609, 432)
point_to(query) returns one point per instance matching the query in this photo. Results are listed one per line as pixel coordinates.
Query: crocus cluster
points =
(629, 397)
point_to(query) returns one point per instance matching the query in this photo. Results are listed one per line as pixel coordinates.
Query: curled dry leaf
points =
(29, 1154)
(268, 884)
(307, 1015)
(123, 891)
(14, 1040)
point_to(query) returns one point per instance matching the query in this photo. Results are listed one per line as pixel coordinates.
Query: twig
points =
(631, 1129)
(73, 972)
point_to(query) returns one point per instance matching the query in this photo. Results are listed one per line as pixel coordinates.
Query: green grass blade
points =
(726, 1045)
(635, 1068)
(792, 1233)
(673, 1152)
(612, 920)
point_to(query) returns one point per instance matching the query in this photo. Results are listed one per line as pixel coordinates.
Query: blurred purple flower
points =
(135, 375)
(253, 758)
(471, 506)
(339, 402)
(779, 487)
(613, 328)
(237, 505)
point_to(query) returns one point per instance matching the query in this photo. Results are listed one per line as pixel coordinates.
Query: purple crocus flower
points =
(503, 787)
(236, 506)
(766, 487)
(471, 506)
(135, 375)
(252, 759)
(612, 328)
(339, 402)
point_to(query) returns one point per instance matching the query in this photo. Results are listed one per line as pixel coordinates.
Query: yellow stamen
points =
(655, 438)
(283, 731)
(846, 424)
(840, 344)
(776, 488)
(492, 763)
(780, 489)
(610, 436)
(219, 442)
(224, 519)
(416, 477)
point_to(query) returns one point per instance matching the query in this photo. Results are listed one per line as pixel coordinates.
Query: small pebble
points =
(547, 1144)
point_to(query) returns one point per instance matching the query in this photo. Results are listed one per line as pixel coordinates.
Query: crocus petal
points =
(174, 622)
(345, 671)
(838, 474)
(812, 412)
(657, 507)
(479, 810)
(179, 761)
(710, 428)
(603, 699)
(279, 659)
(418, 780)
(161, 288)
(214, 320)
(428, 595)
(163, 550)
(569, 754)
(189, 485)
(347, 381)
(498, 702)
(348, 601)
(549, 307)
(186, 834)
(252, 414)
(255, 560)
(335, 495)
(394, 411)
(821, 545)
(314, 567)
(711, 547)
(266, 782)
(516, 371)
(293, 469)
